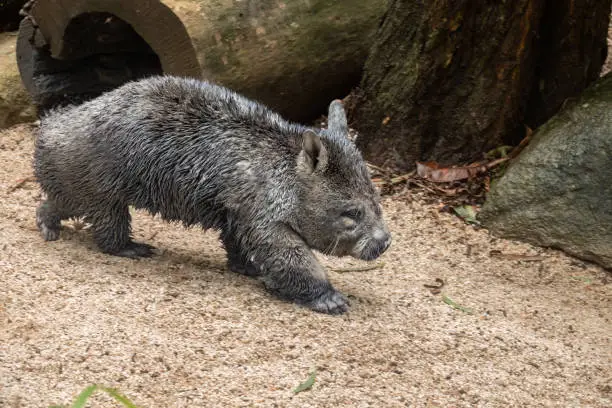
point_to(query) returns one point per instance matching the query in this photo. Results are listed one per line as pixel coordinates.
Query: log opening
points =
(69, 51)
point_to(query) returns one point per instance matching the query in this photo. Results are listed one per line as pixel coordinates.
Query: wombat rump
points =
(201, 154)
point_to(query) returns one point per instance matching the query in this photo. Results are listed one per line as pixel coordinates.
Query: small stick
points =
(403, 177)
(379, 265)
(495, 162)
(515, 152)
(375, 167)
(20, 183)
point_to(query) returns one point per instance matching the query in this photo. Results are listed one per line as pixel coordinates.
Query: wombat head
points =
(339, 211)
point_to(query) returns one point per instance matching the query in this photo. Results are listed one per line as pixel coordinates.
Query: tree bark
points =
(447, 80)
(570, 53)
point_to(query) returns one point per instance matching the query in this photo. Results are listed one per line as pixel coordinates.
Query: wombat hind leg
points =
(238, 265)
(48, 219)
(112, 233)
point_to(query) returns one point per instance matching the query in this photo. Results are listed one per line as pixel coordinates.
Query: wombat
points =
(198, 153)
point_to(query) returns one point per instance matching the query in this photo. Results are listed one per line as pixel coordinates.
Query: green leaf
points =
(306, 385)
(501, 151)
(454, 305)
(120, 398)
(81, 400)
(468, 213)
(585, 279)
(83, 396)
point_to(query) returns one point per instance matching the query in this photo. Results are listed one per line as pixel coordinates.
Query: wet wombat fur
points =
(201, 154)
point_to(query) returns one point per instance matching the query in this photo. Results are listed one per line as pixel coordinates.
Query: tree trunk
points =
(447, 80)
(571, 52)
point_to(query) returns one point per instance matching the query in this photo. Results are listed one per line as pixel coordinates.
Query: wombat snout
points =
(372, 246)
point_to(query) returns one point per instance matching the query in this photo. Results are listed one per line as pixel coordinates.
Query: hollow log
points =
(293, 56)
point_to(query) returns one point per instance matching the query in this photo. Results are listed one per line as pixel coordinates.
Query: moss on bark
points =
(448, 80)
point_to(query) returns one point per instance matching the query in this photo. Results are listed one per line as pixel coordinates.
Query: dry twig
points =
(20, 183)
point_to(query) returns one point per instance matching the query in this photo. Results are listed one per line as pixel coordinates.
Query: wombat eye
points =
(349, 223)
(352, 213)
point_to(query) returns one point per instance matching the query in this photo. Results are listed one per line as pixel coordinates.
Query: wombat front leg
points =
(296, 275)
(112, 233)
(290, 270)
(48, 219)
(237, 259)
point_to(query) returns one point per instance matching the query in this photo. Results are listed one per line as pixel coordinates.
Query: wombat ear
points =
(336, 118)
(313, 156)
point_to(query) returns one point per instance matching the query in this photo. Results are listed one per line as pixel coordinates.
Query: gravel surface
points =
(180, 330)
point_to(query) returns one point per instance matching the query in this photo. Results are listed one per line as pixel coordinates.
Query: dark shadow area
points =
(101, 52)
(9, 14)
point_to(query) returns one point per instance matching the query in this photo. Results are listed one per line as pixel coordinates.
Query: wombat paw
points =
(247, 269)
(49, 234)
(135, 250)
(331, 302)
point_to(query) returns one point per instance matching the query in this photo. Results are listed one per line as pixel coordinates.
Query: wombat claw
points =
(331, 302)
(135, 250)
(48, 233)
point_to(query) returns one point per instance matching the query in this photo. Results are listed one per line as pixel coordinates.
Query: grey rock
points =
(201, 154)
(558, 193)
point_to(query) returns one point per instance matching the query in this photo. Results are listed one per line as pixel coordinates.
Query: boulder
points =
(15, 103)
(558, 192)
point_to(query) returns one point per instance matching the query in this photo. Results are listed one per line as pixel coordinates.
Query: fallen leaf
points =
(306, 385)
(454, 305)
(437, 288)
(432, 171)
(467, 213)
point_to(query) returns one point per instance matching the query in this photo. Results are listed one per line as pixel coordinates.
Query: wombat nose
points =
(383, 238)
(378, 242)
(388, 241)
(379, 235)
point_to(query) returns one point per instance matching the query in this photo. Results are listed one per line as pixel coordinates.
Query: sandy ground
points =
(180, 330)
